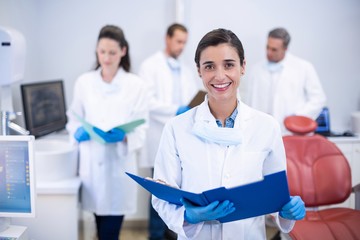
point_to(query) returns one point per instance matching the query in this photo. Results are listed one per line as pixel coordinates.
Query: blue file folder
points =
(254, 199)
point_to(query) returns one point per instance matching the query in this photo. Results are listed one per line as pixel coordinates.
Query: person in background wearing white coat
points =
(108, 96)
(171, 85)
(284, 84)
(221, 142)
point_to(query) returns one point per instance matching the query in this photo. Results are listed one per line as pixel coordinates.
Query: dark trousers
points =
(158, 229)
(156, 225)
(108, 227)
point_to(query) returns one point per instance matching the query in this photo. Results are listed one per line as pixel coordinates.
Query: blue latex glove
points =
(294, 209)
(215, 210)
(112, 136)
(182, 109)
(81, 135)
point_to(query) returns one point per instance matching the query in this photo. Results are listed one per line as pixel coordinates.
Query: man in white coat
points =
(284, 84)
(171, 86)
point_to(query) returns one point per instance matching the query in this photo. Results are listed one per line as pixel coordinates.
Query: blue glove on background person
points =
(182, 109)
(81, 135)
(112, 136)
(294, 209)
(215, 210)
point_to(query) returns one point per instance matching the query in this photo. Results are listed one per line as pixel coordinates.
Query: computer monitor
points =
(17, 180)
(323, 121)
(44, 107)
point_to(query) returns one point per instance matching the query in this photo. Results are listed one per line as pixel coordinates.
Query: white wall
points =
(61, 37)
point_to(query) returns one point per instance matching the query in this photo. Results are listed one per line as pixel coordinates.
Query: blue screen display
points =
(14, 177)
(323, 121)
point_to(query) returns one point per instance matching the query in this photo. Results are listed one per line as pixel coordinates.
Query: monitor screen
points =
(44, 107)
(323, 121)
(17, 186)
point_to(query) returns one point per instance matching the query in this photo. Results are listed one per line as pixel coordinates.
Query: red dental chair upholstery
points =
(319, 173)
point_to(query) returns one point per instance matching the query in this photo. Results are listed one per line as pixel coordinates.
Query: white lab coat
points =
(106, 189)
(157, 74)
(297, 91)
(187, 162)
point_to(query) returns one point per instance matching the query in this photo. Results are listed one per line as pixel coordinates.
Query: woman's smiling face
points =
(220, 70)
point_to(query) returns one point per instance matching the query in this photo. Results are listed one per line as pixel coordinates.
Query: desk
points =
(350, 146)
(56, 212)
(16, 232)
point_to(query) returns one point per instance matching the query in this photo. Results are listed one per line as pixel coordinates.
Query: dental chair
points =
(319, 173)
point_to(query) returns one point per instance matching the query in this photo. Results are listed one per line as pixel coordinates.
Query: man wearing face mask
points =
(171, 86)
(284, 84)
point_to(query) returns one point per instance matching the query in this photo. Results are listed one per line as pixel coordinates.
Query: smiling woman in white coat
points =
(220, 143)
(107, 97)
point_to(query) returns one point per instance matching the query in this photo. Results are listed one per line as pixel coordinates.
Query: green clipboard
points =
(130, 126)
(127, 127)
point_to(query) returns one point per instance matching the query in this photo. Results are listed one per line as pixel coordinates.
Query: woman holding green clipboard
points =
(106, 120)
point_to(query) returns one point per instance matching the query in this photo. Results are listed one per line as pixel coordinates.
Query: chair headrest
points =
(300, 124)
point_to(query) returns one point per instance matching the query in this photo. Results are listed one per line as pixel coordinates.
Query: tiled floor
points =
(138, 234)
(129, 232)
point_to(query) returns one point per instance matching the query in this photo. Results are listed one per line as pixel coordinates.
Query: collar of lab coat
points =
(114, 85)
(287, 59)
(204, 115)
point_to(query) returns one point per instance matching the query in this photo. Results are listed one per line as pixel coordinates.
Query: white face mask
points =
(274, 67)
(220, 135)
(173, 63)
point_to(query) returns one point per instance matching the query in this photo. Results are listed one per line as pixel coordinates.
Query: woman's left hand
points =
(294, 209)
(112, 136)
